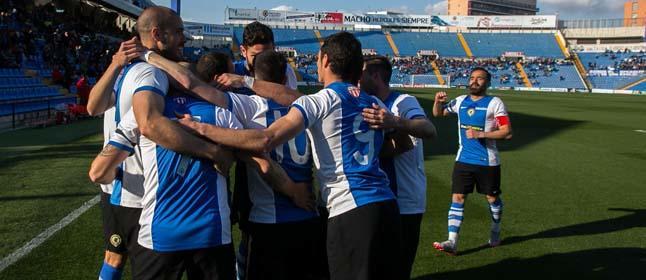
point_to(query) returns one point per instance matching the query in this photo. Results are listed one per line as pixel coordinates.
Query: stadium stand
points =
(44, 53)
(531, 44)
(614, 70)
(446, 44)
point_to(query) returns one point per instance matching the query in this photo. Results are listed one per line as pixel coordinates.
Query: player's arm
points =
(395, 143)
(186, 79)
(439, 108)
(104, 166)
(148, 107)
(255, 140)
(101, 96)
(274, 174)
(502, 133)
(279, 93)
(380, 118)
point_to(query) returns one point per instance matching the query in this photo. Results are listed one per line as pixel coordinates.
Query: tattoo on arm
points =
(107, 151)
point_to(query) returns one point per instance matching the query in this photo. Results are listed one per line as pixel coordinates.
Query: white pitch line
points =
(43, 236)
(640, 130)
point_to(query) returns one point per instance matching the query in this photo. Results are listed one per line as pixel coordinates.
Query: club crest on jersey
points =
(354, 91)
(471, 111)
(115, 240)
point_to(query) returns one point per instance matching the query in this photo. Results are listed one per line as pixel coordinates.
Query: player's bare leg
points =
(112, 266)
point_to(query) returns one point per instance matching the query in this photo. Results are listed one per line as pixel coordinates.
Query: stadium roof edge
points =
(122, 7)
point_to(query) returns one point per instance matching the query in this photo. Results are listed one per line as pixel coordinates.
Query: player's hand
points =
(186, 122)
(223, 161)
(379, 118)
(440, 97)
(228, 80)
(300, 194)
(473, 134)
(128, 50)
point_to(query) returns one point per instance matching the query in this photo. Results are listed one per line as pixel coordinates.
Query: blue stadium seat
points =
(446, 44)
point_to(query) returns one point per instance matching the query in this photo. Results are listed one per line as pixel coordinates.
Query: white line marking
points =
(640, 130)
(43, 236)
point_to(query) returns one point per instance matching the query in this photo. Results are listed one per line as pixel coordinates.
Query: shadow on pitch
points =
(633, 218)
(606, 263)
(527, 129)
(51, 196)
(62, 151)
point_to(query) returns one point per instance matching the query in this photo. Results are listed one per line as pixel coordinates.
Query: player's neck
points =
(328, 80)
(477, 97)
(383, 93)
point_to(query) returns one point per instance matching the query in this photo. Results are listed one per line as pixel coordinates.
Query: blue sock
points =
(456, 213)
(110, 273)
(495, 209)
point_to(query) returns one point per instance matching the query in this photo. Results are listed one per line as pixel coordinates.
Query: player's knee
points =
(459, 197)
(113, 259)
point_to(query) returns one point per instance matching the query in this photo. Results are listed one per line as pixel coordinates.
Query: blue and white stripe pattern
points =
(456, 215)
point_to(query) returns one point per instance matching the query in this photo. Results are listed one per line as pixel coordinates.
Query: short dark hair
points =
(344, 55)
(211, 64)
(483, 70)
(379, 64)
(257, 33)
(270, 66)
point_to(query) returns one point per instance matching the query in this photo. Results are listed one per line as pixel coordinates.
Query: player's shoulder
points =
(495, 100)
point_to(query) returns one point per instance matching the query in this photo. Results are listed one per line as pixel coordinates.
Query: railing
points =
(12, 117)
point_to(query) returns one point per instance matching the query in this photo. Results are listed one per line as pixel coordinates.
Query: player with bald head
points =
(161, 30)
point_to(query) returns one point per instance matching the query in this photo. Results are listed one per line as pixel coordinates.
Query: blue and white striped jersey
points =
(128, 186)
(345, 149)
(406, 171)
(481, 115)
(185, 204)
(295, 156)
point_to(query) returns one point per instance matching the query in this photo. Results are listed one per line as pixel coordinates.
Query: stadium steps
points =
(317, 33)
(523, 74)
(436, 70)
(581, 69)
(465, 45)
(628, 86)
(561, 42)
(392, 44)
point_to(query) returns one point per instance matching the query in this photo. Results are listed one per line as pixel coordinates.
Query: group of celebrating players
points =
(173, 130)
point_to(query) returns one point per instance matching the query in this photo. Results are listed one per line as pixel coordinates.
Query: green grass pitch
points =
(574, 188)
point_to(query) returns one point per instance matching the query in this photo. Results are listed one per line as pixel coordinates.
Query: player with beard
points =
(482, 119)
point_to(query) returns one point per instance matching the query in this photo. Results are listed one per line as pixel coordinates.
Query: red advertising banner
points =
(334, 18)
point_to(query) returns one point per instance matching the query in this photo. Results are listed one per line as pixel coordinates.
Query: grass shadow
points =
(606, 263)
(527, 129)
(633, 218)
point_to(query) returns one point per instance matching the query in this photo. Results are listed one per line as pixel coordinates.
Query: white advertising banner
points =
(496, 21)
(271, 16)
(394, 20)
(388, 20)
(242, 14)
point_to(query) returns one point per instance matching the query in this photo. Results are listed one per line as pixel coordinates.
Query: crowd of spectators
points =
(621, 60)
(69, 41)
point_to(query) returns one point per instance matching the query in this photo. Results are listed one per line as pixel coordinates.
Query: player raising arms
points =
(482, 119)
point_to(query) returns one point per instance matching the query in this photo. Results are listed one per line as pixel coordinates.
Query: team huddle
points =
(173, 130)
